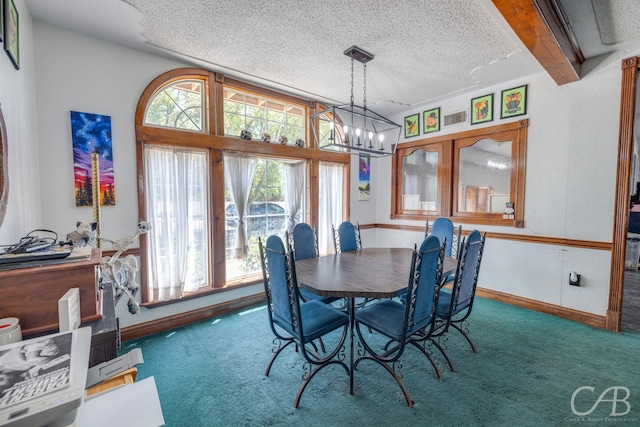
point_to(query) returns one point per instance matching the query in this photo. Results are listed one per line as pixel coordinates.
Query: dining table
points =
(370, 273)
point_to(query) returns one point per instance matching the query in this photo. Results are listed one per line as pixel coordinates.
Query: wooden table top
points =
(368, 273)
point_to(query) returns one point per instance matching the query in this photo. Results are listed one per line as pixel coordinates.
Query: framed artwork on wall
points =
(412, 125)
(364, 177)
(431, 120)
(482, 109)
(91, 133)
(514, 102)
(11, 33)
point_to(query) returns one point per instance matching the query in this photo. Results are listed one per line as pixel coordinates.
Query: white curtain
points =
(239, 171)
(176, 197)
(330, 179)
(294, 174)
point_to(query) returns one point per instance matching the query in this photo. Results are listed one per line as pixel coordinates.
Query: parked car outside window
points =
(262, 219)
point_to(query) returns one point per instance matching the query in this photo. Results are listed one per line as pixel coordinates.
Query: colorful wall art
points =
(92, 133)
(364, 174)
(412, 125)
(514, 102)
(431, 119)
(482, 109)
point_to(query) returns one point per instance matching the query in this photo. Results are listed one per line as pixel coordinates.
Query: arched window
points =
(206, 205)
(178, 105)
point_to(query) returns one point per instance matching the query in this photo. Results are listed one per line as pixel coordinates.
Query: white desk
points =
(131, 405)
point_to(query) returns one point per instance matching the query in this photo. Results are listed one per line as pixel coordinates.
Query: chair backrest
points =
(280, 287)
(347, 237)
(468, 270)
(304, 241)
(443, 229)
(424, 282)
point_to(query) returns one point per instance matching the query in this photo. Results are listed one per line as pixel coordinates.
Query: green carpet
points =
(211, 373)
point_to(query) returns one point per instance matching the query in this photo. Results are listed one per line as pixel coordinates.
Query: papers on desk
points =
(131, 405)
(55, 255)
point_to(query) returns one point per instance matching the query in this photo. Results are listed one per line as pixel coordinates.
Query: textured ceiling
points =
(617, 20)
(424, 50)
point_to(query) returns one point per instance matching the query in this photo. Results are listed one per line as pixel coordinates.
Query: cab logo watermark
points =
(615, 400)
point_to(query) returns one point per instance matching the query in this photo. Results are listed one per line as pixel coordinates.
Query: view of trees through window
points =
(178, 105)
(265, 215)
(258, 115)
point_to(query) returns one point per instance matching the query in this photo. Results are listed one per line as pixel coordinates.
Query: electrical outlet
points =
(574, 279)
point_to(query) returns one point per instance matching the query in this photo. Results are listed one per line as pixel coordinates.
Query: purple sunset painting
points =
(92, 133)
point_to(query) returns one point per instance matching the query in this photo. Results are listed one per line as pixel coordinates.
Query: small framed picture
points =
(482, 109)
(431, 120)
(514, 102)
(12, 34)
(412, 126)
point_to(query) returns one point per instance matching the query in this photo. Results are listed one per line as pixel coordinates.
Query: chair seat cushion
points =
(444, 299)
(386, 317)
(319, 318)
(308, 296)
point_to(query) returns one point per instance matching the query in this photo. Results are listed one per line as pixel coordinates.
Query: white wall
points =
(79, 73)
(83, 74)
(18, 104)
(570, 188)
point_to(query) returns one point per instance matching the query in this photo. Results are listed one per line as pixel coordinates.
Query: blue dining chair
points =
(303, 243)
(347, 237)
(454, 307)
(403, 324)
(293, 321)
(443, 228)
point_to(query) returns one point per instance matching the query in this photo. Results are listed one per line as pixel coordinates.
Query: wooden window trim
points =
(214, 140)
(448, 171)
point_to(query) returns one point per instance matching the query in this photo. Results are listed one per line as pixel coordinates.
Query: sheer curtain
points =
(176, 201)
(239, 171)
(294, 174)
(331, 176)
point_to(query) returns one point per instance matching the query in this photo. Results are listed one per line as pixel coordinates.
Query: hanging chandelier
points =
(352, 128)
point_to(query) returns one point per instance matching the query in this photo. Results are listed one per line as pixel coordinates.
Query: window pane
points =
(261, 115)
(420, 181)
(178, 105)
(330, 199)
(265, 215)
(176, 203)
(484, 176)
(277, 113)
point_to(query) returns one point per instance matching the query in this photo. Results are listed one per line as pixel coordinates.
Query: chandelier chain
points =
(352, 82)
(364, 86)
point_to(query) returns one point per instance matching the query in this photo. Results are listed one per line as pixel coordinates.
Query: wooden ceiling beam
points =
(543, 28)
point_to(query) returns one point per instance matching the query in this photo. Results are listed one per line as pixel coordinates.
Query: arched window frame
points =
(213, 139)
